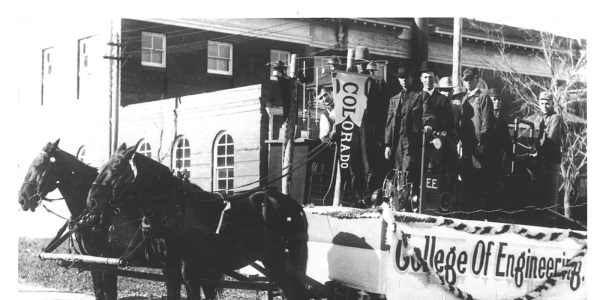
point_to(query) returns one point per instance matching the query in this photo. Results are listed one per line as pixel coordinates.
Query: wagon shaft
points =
(82, 258)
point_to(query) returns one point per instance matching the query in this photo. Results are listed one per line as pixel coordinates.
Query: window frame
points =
(175, 159)
(217, 168)
(320, 64)
(230, 66)
(164, 50)
(381, 70)
(46, 76)
(83, 71)
(81, 153)
(147, 149)
(279, 52)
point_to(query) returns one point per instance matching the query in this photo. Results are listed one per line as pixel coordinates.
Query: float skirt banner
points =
(484, 260)
(350, 98)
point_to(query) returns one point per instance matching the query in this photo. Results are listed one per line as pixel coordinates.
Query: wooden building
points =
(199, 92)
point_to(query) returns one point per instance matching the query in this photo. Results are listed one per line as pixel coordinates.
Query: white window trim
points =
(47, 64)
(174, 155)
(84, 71)
(230, 72)
(381, 70)
(215, 164)
(146, 150)
(81, 154)
(321, 67)
(287, 63)
(164, 52)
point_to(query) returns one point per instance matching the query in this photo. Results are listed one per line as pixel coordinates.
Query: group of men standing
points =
(477, 134)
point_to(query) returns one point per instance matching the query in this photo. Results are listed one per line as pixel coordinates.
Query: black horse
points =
(53, 168)
(259, 225)
(118, 235)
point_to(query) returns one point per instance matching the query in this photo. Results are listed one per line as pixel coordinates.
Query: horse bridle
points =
(41, 185)
(115, 200)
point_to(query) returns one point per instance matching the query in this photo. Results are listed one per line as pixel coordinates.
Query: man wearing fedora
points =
(445, 86)
(500, 144)
(475, 133)
(396, 133)
(409, 114)
(437, 109)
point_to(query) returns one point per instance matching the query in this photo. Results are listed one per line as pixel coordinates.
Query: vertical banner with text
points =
(350, 98)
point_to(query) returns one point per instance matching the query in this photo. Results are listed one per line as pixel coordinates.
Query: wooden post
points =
(350, 60)
(288, 142)
(456, 48)
(337, 194)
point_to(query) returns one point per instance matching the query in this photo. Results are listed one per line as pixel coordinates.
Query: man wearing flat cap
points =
(549, 153)
(476, 132)
(500, 144)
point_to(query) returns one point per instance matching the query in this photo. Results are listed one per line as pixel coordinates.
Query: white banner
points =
(483, 260)
(465, 259)
(350, 98)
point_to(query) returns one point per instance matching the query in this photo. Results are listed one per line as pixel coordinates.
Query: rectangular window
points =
(47, 61)
(84, 68)
(279, 55)
(220, 58)
(381, 70)
(321, 67)
(154, 49)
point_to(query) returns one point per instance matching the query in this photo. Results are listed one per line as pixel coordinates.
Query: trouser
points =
(545, 191)
(409, 161)
(364, 169)
(494, 182)
(476, 179)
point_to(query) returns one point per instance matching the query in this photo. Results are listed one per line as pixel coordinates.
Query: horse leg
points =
(98, 283)
(211, 292)
(191, 281)
(110, 286)
(172, 282)
(275, 262)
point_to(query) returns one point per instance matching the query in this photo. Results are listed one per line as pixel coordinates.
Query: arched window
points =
(145, 149)
(182, 155)
(223, 154)
(81, 154)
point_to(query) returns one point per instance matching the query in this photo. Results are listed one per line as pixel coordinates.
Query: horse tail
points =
(297, 238)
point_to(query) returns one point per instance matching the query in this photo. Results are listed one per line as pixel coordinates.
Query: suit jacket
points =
(437, 112)
(550, 144)
(404, 119)
(480, 106)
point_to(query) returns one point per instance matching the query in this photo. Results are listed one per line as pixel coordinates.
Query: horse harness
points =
(43, 183)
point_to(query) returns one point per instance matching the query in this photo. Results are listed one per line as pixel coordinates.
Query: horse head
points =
(126, 179)
(113, 178)
(41, 178)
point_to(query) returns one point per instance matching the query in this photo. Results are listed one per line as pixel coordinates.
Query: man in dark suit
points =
(408, 113)
(500, 144)
(396, 136)
(403, 130)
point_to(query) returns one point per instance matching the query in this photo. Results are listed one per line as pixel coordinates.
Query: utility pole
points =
(288, 142)
(115, 58)
(420, 41)
(456, 48)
